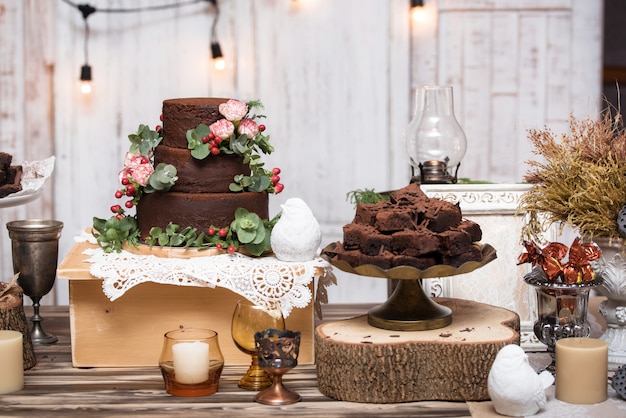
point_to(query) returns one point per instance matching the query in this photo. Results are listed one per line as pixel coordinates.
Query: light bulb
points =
(418, 14)
(219, 63)
(85, 87)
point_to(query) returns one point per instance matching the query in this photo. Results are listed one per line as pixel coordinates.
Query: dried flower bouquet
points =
(581, 181)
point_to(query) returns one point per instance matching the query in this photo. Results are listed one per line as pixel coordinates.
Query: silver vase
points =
(35, 250)
(562, 310)
(612, 266)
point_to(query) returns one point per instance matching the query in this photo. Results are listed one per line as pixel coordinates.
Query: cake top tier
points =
(180, 115)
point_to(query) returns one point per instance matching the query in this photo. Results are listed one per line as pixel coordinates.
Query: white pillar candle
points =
(11, 361)
(581, 370)
(191, 362)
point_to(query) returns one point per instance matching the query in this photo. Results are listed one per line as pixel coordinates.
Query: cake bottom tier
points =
(197, 210)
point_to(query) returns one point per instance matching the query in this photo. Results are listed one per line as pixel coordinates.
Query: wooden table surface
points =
(53, 388)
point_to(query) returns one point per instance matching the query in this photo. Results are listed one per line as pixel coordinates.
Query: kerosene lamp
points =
(434, 139)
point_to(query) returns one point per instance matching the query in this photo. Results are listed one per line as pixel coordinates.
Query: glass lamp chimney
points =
(434, 140)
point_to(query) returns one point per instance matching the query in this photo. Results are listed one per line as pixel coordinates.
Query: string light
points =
(216, 49)
(85, 79)
(85, 71)
(218, 57)
(417, 10)
(86, 10)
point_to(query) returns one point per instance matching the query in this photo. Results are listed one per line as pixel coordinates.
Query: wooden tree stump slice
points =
(360, 363)
(12, 318)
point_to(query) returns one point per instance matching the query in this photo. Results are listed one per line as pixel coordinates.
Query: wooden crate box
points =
(128, 332)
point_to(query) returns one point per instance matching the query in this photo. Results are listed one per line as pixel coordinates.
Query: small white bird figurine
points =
(514, 387)
(297, 235)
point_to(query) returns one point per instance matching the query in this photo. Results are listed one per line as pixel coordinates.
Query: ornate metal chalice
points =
(35, 249)
(278, 353)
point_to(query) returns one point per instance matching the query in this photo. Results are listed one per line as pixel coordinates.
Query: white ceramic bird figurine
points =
(297, 235)
(514, 387)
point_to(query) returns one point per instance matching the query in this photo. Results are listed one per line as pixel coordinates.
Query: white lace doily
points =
(264, 281)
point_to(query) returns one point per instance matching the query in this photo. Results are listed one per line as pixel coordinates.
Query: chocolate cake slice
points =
(10, 175)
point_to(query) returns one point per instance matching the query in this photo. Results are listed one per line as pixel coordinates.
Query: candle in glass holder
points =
(581, 370)
(191, 362)
(11, 361)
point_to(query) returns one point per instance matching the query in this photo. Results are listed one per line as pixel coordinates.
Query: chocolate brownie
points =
(410, 229)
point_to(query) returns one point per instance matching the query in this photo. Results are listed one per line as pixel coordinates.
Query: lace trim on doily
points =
(264, 281)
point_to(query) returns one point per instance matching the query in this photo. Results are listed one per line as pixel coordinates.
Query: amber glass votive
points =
(191, 362)
(581, 370)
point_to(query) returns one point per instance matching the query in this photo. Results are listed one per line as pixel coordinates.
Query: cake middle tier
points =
(196, 210)
(211, 175)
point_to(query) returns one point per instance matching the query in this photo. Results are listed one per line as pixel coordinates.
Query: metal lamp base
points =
(434, 172)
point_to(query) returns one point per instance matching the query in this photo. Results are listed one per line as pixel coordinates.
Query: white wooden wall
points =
(336, 78)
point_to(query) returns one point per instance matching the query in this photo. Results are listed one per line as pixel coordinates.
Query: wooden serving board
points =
(360, 363)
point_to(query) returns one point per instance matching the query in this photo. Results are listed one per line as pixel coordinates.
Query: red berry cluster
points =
(129, 190)
(214, 143)
(222, 233)
(278, 187)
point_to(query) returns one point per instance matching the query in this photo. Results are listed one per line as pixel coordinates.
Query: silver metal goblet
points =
(35, 249)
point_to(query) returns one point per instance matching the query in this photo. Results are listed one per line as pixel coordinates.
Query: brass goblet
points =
(278, 353)
(35, 250)
(249, 318)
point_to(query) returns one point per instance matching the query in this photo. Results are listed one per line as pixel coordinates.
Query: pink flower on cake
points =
(142, 173)
(233, 110)
(248, 127)
(137, 167)
(222, 128)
